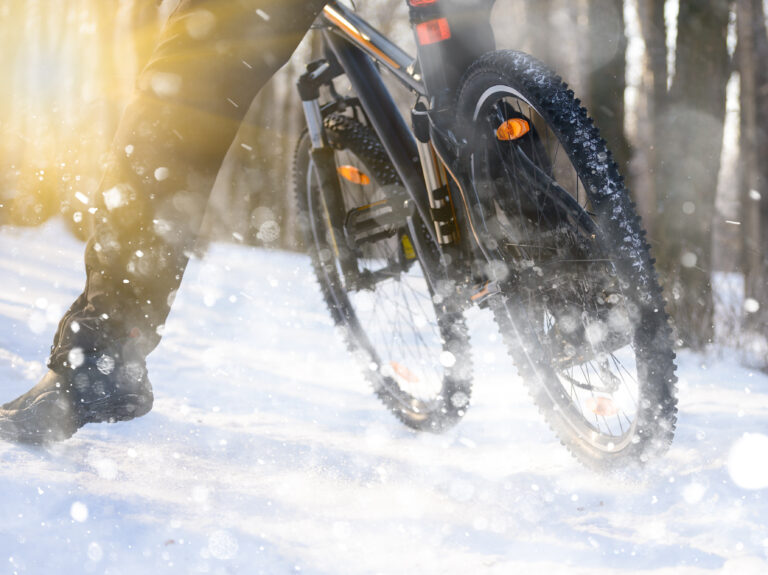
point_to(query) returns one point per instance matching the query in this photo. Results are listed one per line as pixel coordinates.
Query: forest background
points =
(678, 88)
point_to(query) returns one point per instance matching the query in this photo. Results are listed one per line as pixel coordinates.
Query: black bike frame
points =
(449, 39)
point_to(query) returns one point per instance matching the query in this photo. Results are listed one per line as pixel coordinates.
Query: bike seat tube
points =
(450, 35)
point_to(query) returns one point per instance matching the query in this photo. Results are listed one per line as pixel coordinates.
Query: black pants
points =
(212, 59)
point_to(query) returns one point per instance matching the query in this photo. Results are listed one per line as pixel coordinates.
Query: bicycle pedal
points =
(377, 220)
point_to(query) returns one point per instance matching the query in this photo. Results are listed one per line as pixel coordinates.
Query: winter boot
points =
(61, 403)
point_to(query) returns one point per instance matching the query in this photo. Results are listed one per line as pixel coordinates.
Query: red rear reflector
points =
(421, 2)
(433, 31)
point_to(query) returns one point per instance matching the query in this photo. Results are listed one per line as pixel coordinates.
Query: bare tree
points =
(654, 31)
(752, 54)
(607, 74)
(690, 146)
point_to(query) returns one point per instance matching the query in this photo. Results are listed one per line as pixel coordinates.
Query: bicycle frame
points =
(354, 47)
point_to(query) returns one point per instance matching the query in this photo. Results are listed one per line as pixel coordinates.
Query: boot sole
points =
(117, 408)
(51, 418)
(48, 419)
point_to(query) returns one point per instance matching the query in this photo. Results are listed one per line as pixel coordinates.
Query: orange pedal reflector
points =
(513, 129)
(403, 372)
(433, 31)
(353, 175)
(602, 406)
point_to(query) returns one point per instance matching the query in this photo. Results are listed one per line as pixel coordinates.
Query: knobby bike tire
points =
(444, 360)
(580, 307)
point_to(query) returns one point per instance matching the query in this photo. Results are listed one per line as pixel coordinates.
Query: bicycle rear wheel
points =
(412, 344)
(580, 307)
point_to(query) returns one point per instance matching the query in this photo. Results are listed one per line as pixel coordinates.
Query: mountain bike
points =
(498, 193)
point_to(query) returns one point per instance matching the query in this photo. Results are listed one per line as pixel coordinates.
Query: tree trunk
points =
(655, 86)
(752, 55)
(607, 71)
(690, 148)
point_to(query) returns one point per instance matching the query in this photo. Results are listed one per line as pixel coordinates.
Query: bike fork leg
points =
(324, 163)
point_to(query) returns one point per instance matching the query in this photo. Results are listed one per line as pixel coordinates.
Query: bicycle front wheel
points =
(580, 307)
(412, 344)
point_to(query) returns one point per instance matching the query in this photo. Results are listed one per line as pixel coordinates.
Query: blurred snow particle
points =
(37, 323)
(694, 492)
(222, 545)
(269, 232)
(264, 220)
(105, 364)
(210, 297)
(114, 198)
(751, 305)
(164, 84)
(689, 208)
(129, 150)
(263, 15)
(688, 259)
(79, 511)
(162, 227)
(596, 332)
(105, 468)
(200, 23)
(755, 195)
(747, 461)
(95, 552)
(75, 357)
(447, 359)
(459, 399)
(161, 173)
(200, 494)
(497, 270)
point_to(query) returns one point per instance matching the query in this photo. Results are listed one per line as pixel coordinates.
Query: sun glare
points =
(68, 68)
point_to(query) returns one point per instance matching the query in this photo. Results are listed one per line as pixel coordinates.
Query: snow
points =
(267, 453)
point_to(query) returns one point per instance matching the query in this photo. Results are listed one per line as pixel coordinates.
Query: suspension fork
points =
(397, 140)
(322, 157)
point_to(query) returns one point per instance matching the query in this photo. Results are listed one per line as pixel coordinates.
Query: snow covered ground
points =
(267, 453)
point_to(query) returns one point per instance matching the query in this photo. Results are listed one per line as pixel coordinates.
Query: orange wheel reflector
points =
(602, 406)
(403, 372)
(354, 175)
(513, 129)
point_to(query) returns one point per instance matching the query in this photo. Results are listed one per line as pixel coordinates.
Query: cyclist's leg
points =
(212, 59)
